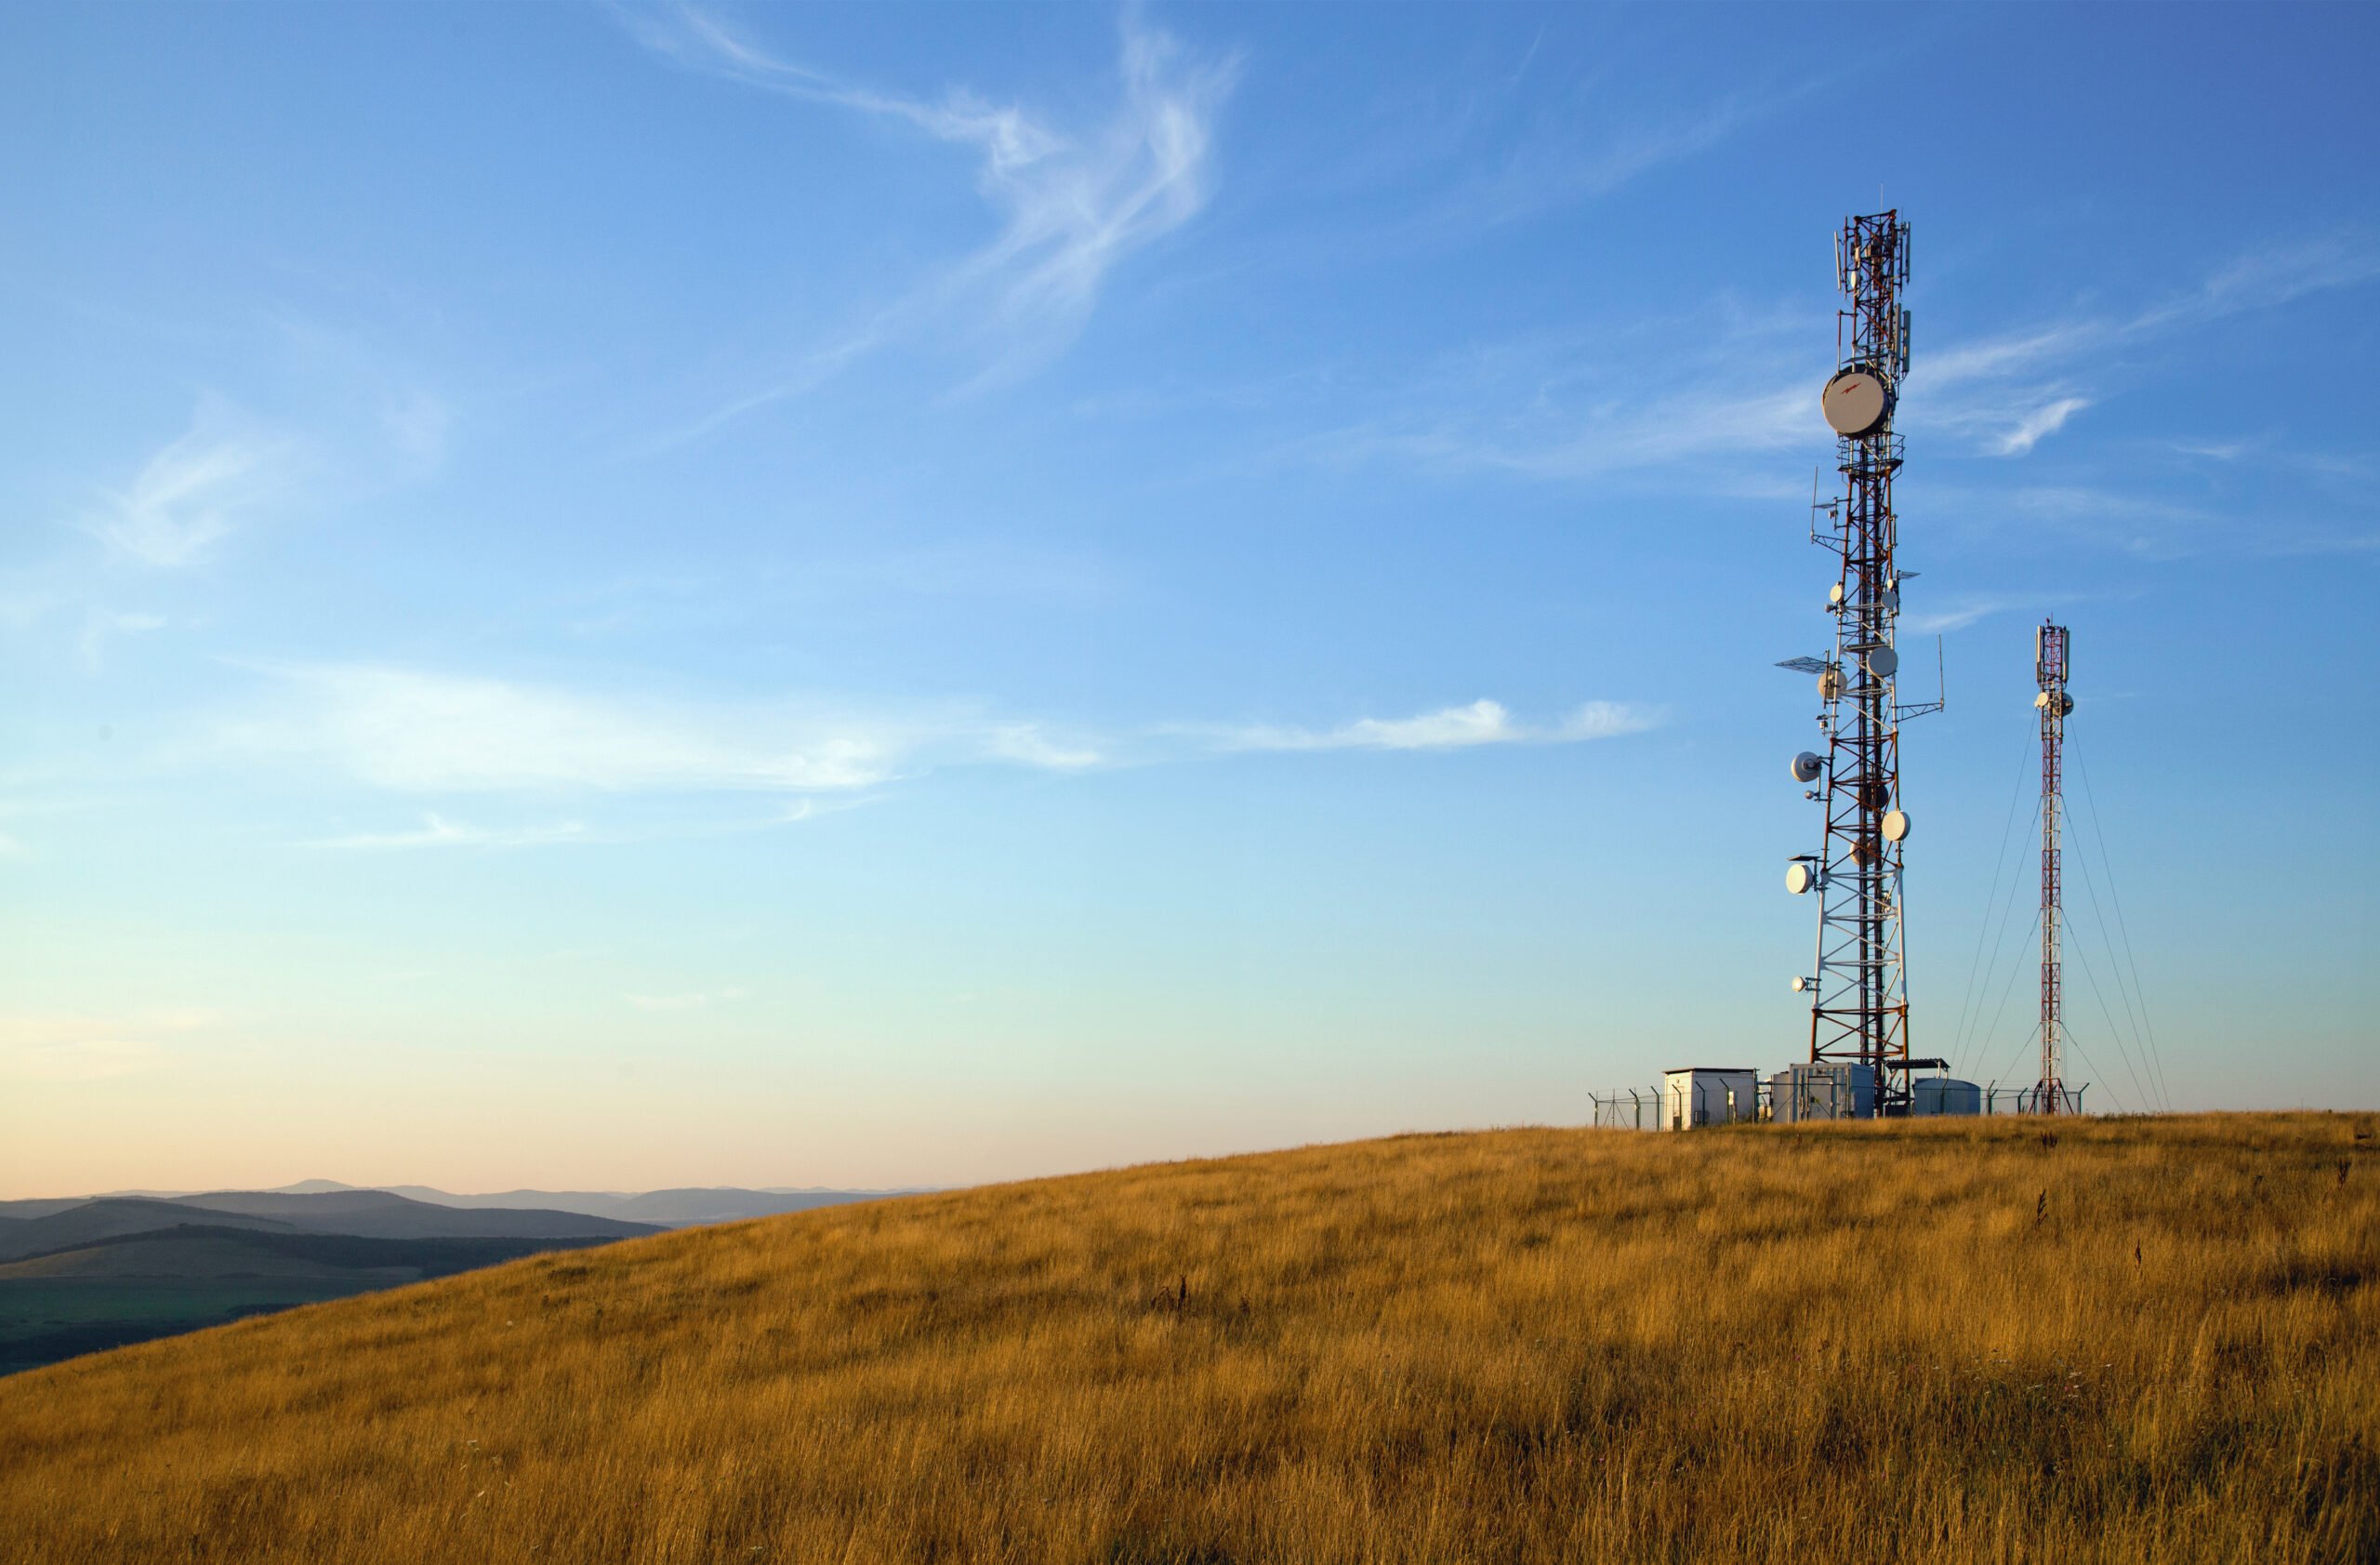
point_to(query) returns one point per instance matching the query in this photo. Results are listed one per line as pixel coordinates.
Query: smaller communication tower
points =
(2050, 668)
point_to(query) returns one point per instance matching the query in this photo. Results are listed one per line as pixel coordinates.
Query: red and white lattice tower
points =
(1859, 997)
(2049, 1095)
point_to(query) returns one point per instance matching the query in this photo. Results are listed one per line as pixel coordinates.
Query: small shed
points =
(1707, 1094)
(1833, 1090)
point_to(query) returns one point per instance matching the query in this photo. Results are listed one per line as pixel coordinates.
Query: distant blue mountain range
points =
(327, 1206)
(82, 1274)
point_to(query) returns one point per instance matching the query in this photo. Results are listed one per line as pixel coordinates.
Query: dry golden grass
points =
(1941, 1342)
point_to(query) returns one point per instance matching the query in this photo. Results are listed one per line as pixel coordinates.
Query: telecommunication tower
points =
(2050, 671)
(1859, 997)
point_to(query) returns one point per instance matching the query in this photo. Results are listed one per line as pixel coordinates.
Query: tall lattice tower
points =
(2056, 705)
(1859, 1005)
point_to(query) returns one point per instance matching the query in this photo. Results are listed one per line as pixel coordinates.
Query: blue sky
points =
(861, 596)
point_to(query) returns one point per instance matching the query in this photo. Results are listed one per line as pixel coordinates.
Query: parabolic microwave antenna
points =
(1855, 401)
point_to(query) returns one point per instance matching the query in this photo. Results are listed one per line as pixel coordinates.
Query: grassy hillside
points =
(1945, 1342)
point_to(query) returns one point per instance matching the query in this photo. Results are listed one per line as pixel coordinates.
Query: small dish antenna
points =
(1806, 767)
(1897, 826)
(1884, 662)
(1800, 878)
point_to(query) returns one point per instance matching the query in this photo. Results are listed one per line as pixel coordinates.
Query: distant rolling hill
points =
(17, 1211)
(668, 1209)
(223, 1252)
(94, 1220)
(102, 1273)
(674, 1209)
(383, 1214)
(134, 1287)
(81, 1274)
(370, 1213)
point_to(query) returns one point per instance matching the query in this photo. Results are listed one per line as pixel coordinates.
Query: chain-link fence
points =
(1803, 1093)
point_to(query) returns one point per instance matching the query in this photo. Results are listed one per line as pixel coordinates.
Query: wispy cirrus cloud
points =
(102, 625)
(2009, 392)
(1565, 159)
(195, 490)
(1074, 201)
(2046, 419)
(1633, 396)
(1730, 384)
(1959, 616)
(408, 730)
(1481, 722)
(405, 731)
(438, 831)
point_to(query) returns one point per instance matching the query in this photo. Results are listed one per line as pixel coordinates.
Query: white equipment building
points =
(1703, 1094)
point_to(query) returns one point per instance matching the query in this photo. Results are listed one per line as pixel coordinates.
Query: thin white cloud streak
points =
(438, 831)
(1073, 204)
(1570, 418)
(1552, 170)
(1965, 614)
(102, 624)
(1555, 408)
(410, 731)
(193, 492)
(2010, 419)
(1481, 722)
(2270, 278)
(2040, 422)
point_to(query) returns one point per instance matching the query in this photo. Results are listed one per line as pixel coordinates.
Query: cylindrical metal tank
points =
(1944, 1094)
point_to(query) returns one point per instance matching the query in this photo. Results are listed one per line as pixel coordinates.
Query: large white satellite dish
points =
(1855, 401)
(1896, 825)
(1806, 767)
(1800, 878)
(1884, 662)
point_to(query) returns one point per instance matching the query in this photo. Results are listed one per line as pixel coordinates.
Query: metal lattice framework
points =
(2049, 1095)
(1859, 1013)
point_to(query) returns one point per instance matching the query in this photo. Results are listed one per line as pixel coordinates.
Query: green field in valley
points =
(44, 1319)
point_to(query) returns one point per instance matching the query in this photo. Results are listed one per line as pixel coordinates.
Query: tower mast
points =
(1859, 1013)
(2050, 671)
